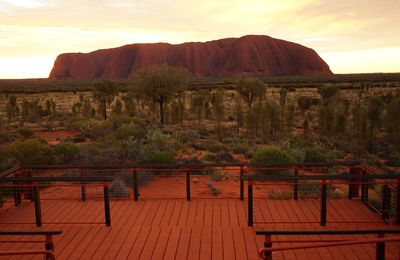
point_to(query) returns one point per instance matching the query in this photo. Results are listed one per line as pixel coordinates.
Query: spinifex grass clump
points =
(118, 188)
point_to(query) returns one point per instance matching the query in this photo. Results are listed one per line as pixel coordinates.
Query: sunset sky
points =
(352, 36)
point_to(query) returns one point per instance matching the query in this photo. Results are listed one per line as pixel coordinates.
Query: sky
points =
(352, 36)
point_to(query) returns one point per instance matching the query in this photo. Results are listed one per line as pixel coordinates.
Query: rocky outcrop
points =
(251, 55)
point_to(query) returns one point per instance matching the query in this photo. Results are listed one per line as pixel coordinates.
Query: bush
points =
(270, 155)
(279, 194)
(31, 152)
(66, 152)
(314, 154)
(161, 157)
(128, 130)
(25, 133)
(217, 147)
(241, 149)
(118, 188)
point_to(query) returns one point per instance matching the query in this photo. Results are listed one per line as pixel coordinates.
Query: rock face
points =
(246, 56)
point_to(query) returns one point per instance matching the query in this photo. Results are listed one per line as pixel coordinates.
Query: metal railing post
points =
(323, 202)
(17, 194)
(250, 204)
(296, 186)
(380, 248)
(49, 246)
(135, 185)
(107, 205)
(385, 202)
(364, 190)
(83, 187)
(36, 199)
(187, 185)
(241, 183)
(397, 214)
(268, 244)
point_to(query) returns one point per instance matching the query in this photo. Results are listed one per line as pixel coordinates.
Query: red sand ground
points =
(54, 137)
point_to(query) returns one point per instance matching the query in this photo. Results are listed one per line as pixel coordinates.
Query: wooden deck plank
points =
(228, 244)
(137, 248)
(184, 242)
(195, 243)
(150, 244)
(233, 213)
(206, 243)
(217, 251)
(162, 242)
(216, 213)
(240, 244)
(173, 242)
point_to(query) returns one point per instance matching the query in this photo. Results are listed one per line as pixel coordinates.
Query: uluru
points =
(251, 55)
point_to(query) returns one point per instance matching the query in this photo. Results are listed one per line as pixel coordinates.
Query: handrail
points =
(185, 165)
(34, 183)
(328, 232)
(30, 233)
(53, 179)
(48, 243)
(266, 251)
(274, 177)
(328, 244)
(10, 171)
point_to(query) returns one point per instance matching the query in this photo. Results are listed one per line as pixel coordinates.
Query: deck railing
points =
(32, 186)
(380, 240)
(187, 171)
(360, 181)
(48, 251)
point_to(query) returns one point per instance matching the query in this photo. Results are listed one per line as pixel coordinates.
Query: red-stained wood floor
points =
(199, 229)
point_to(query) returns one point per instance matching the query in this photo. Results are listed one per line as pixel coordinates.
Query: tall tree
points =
(160, 84)
(103, 93)
(250, 89)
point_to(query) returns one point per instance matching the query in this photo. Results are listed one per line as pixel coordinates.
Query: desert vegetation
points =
(165, 116)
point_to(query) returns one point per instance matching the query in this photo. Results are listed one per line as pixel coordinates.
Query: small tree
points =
(103, 93)
(159, 84)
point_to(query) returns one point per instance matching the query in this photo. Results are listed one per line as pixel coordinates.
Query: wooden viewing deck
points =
(199, 229)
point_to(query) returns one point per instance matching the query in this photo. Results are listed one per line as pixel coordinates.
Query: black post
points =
(296, 186)
(380, 249)
(267, 244)
(83, 188)
(49, 246)
(187, 185)
(385, 202)
(17, 194)
(36, 199)
(364, 190)
(107, 205)
(397, 216)
(30, 187)
(135, 185)
(323, 202)
(250, 204)
(241, 183)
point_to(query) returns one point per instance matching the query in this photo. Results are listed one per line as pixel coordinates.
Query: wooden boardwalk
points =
(200, 229)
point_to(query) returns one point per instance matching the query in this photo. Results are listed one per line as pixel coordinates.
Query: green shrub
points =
(188, 136)
(66, 152)
(128, 130)
(160, 157)
(216, 147)
(314, 154)
(25, 133)
(31, 152)
(270, 155)
(241, 149)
